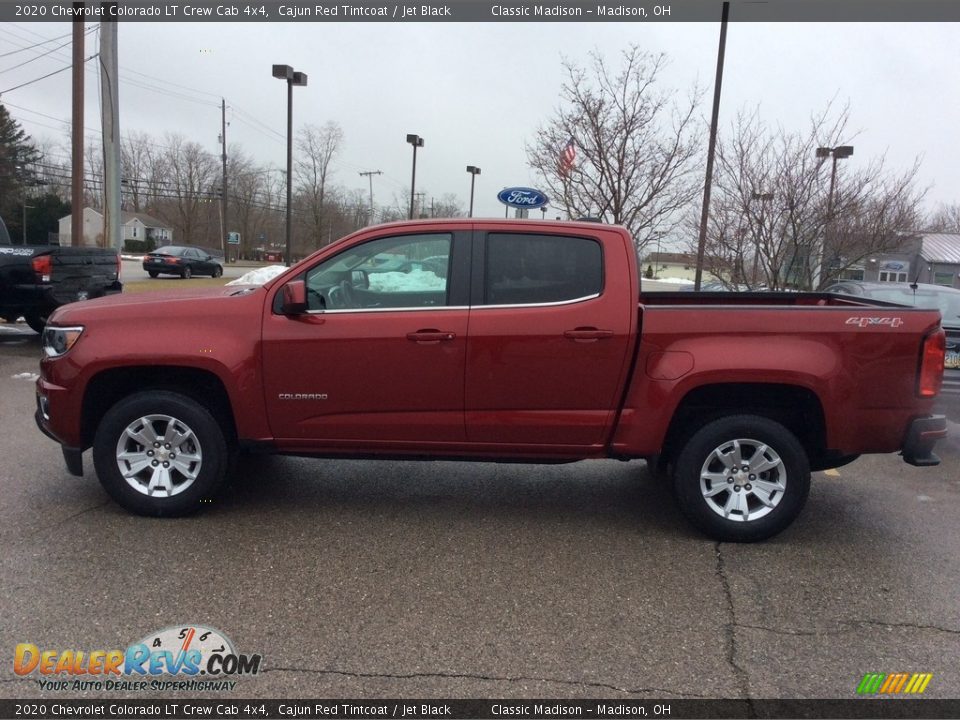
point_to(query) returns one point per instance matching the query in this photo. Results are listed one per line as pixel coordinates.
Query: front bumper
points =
(73, 457)
(922, 435)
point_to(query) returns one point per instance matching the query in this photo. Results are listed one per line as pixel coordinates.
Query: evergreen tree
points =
(17, 173)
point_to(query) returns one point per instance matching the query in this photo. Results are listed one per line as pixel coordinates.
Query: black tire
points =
(207, 442)
(36, 321)
(711, 450)
(186, 273)
(152, 273)
(217, 272)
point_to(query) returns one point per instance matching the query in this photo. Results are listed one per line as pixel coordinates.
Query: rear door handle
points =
(587, 334)
(431, 336)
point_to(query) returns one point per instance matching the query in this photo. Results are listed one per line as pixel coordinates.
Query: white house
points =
(134, 226)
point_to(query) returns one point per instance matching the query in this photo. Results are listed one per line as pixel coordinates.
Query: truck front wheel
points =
(36, 321)
(160, 453)
(742, 478)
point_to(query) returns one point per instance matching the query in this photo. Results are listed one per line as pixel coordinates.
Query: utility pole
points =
(76, 167)
(110, 114)
(712, 145)
(369, 174)
(224, 225)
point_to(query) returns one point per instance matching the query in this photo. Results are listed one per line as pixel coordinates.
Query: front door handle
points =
(587, 334)
(431, 336)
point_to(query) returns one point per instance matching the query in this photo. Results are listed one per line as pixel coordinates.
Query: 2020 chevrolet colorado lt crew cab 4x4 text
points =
(533, 343)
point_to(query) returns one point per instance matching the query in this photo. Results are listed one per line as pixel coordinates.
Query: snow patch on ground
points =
(675, 281)
(413, 281)
(406, 281)
(258, 276)
(25, 376)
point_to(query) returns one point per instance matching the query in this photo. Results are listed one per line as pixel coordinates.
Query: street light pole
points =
(838, 153)
(285, 72)
(25, 206)
(416, 141)
(474, 171)
(656, 270)
(764, 198)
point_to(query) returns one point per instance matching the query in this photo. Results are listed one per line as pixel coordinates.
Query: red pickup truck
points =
(491, 340)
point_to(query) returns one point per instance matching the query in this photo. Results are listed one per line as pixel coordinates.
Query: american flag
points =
(567, 156)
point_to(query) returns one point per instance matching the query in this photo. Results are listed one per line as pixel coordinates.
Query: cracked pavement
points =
(381, 579)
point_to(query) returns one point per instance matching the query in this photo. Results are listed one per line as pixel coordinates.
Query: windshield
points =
(947, 301)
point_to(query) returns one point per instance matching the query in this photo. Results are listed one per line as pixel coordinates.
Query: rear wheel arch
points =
(797, 408)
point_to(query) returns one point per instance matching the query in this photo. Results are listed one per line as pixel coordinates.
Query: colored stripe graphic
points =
(894, 683)
(870, 683)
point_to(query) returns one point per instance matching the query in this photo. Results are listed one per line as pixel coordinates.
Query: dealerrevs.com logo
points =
(181, 657)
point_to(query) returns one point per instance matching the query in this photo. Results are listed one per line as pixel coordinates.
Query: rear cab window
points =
(536, 269)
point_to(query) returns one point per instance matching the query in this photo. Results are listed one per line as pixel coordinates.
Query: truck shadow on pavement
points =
(605, 492)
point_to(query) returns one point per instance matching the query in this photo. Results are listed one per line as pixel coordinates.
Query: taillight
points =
(931, 364)
(43, 266)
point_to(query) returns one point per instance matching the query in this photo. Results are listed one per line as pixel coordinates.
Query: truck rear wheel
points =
(160, 453)
(742, 478)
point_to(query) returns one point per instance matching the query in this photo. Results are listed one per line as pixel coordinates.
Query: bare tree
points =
(191, 200)
(447, 205)
(93, 176)
(771, 221)
(141, 170)
(52, 170)
(316, 147)
(946, 218)
(636, 145)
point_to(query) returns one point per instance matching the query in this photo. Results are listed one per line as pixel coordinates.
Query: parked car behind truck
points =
(183, 261)
(536, 346)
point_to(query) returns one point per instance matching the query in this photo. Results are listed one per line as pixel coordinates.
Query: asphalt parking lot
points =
(382, 579)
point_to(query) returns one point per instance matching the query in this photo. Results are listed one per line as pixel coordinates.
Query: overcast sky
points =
(478, 91)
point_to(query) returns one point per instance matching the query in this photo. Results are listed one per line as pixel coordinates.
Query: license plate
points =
(952, 360)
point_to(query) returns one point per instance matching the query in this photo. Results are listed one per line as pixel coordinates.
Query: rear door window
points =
(535, 269)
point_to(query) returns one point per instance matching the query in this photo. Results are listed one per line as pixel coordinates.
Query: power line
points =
(44, 77)
(42, 55)
(42, 42)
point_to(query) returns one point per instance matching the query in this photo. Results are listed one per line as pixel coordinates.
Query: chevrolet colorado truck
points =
(37, 279)
(491, 340)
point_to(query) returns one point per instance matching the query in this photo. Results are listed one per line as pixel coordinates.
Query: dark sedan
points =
(183, 261)
(944, 299)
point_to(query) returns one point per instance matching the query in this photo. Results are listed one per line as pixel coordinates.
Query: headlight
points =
(58, 340)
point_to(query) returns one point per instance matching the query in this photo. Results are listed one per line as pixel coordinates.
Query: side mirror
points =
(294, 298)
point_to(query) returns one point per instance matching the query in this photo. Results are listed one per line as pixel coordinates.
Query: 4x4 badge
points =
(893, 322)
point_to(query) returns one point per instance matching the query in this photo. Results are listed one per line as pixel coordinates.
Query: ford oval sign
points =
(523, 198)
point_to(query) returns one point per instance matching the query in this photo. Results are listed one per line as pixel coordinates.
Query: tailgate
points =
(81, 273)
